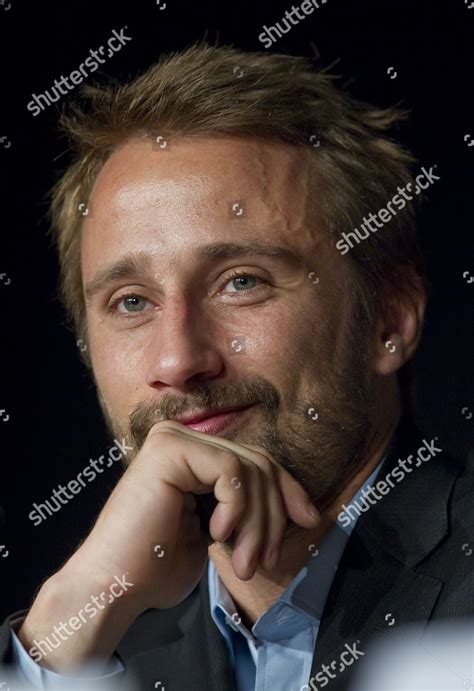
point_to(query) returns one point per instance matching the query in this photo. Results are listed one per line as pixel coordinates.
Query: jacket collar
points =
(412, 518)
(377, 587)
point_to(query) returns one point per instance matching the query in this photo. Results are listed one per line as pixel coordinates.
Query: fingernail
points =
(312, 510)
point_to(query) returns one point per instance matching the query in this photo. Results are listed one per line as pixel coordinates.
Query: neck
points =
(255, 596)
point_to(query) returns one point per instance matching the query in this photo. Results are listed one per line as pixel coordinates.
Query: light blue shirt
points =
(279, 649)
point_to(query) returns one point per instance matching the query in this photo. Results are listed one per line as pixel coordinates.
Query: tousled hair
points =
(209, 90)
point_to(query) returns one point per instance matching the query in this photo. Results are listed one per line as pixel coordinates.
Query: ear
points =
(398, 331)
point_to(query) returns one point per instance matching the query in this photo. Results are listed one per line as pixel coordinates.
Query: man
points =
(253, 371)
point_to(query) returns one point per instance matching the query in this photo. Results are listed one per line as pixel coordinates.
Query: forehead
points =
(199, 190)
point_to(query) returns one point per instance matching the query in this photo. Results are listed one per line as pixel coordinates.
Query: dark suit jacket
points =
(406, 561)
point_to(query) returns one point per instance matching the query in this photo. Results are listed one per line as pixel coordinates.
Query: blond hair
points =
(206, 90)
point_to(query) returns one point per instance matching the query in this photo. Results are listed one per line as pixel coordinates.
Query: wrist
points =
(77, 619)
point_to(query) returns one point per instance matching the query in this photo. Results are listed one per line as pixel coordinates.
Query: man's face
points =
(191, 336)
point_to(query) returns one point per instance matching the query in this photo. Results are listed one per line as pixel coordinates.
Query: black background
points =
(55, 423)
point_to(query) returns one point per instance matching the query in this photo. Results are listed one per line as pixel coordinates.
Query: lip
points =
(216, 422)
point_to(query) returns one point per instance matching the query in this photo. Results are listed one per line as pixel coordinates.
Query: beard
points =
(322, 454)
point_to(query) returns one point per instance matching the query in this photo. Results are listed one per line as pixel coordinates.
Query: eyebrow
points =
(131, 265)
(140, 262)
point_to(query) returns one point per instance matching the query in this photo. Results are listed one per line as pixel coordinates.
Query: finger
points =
(277, 522)
(222, 523)
(251, 529)
(296, 502)
(197, 469)
(220, 442)
(277, 519)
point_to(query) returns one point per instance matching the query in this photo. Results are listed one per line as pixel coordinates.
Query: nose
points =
(183, 346)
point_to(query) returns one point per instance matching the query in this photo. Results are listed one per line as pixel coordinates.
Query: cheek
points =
(279, 344)
(117, 361)
(296, 347)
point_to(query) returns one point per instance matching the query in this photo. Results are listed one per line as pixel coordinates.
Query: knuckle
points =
(266, 467)
(164, 426)
(232, 460)
(161, 440)
(168, 431)
(265, 453)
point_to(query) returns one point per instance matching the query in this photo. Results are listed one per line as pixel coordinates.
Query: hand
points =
(150, 527)
(150, 530)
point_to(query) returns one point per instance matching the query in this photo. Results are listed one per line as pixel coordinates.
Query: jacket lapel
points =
(377, 586)
(372, 593)
(180, 647)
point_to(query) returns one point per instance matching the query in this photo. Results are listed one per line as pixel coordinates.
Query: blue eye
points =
(242, 280)
(132, 300)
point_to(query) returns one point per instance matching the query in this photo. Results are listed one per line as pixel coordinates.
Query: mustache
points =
(242, 393)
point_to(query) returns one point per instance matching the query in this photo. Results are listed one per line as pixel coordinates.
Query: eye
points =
(131, 300)
(242, 282)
